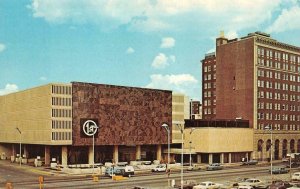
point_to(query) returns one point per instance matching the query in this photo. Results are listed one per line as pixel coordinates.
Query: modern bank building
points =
(79, 122)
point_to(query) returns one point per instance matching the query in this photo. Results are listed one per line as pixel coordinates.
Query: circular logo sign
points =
(90, 128)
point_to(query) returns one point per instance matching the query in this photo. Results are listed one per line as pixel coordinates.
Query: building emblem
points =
(90, 128)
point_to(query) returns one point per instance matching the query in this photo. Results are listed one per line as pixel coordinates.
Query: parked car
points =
(207, 185)
(252, 182)
(250, 162)
(279, 170)
(279, 184)
(245, 187)
(159, 168)
(194, 167)
(296, 176)
(127, 171)
(214, 166)
(187, 184)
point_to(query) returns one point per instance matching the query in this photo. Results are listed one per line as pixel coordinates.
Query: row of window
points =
(262, 52)
(277, 117)
(209, 85)
(278, 86)
(278, 96)
(208, 102)
(210, 68)
(59, 124)
(209, 76)
(61, 89)
(209, 93)
(277, 106)
(61, 113)
(61, 136)
(278, 65)
(58, 101)
(207, 111)
(277, 75)
(262, 126)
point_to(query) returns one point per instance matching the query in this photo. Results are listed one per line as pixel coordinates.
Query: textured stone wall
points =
(126, 115)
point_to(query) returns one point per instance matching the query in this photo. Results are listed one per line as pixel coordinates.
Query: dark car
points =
(187, 184)
(279, 185)
(250, 162)
(279, 170)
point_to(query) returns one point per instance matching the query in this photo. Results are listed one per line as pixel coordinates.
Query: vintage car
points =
(208, 185)
(159, 168)
(214, 166)
(250, 162)
(254, 182)
(279, 170)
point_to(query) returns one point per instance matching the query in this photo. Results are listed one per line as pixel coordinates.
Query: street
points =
(26, 179)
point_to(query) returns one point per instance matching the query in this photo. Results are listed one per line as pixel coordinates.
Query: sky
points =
(140, 43)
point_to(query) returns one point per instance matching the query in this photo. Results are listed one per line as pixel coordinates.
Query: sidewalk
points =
(43, 171)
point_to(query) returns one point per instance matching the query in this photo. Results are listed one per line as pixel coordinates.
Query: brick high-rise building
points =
(257, 78)
(209, 86)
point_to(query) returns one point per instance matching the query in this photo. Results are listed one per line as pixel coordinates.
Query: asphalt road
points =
(27, 178)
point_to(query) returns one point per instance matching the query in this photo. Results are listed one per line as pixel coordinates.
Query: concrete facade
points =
(50, 121)
(43, 117)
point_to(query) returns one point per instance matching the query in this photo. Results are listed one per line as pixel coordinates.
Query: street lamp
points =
(90, 128)
(191, 111)
(290, 158)
(181, 128)
(271, 156)
(192, 129)
(166, 126)
(20, 159)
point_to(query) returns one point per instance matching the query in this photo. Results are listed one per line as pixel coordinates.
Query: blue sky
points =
(140, 43)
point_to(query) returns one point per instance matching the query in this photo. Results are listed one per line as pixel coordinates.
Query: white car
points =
(159, 168)
(296, 176)
(245, 187)
(251, 182)
(207, 185)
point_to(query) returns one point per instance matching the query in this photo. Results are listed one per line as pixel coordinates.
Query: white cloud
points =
(2, 47)
(9, 88)
(167, 42)
(43, 78)
(161, 61)
(211, 50)
(183, 83)
(130, 50)
(149, 15)
(231, 34)
(287, 20)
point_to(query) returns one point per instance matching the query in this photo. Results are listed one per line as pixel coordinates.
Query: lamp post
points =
(271, 155)
(290, 161)
(96, 128)
(192, 129)
(191, 111)
(180, 127)
(166, 126)
(90, 128)
(20, 159)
